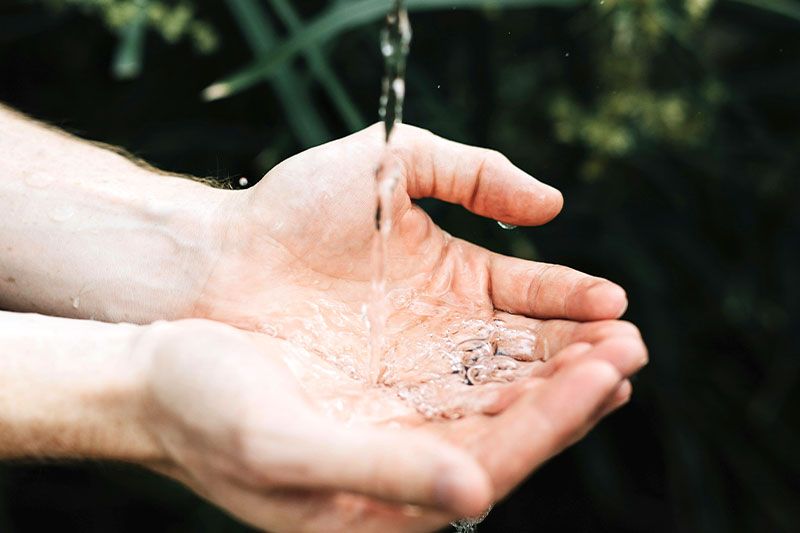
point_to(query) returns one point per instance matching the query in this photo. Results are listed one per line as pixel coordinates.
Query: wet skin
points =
(302, 237)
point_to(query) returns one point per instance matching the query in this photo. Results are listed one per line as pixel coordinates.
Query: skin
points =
(211, 401)
(309, 223)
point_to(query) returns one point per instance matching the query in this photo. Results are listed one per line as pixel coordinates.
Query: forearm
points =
(72, 389)
(87, 233)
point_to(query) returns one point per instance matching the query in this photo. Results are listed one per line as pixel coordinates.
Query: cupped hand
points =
(295, 264)
(237, 427)
(295, 259)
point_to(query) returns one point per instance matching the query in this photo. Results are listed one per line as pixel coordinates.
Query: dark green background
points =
(692, 206)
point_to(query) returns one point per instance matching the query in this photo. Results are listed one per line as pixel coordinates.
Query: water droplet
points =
(519, 345)
(470, 524)
(39, 180)
(474, 350)
(243, 182)
(492, 369)
(387, 47)
(505, 225)
(566, 54)
(438, 86)
(62, 213)
(399, 88)
(76, 302)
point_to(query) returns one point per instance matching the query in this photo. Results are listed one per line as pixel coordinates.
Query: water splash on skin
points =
(442, 363)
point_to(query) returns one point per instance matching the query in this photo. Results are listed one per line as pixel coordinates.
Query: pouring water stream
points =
(395, 44)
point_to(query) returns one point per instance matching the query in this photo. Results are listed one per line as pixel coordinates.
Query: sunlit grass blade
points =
(342, 17)
(294, 95)
(787, 8)
(321, 69)
(128, 57)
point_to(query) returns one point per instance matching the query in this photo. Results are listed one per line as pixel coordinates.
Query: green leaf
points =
(780, 7)
(128, 58)
(321, 69)
(342, 17)
(260, 34)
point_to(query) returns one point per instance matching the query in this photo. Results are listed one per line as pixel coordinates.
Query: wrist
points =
(143, 351)
(88, 233)
(190, 224)
(173, 399)
(72, 389)
(122, 398)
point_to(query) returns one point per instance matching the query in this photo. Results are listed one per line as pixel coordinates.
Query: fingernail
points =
(607, 291)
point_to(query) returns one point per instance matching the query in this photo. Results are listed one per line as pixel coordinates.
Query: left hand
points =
(295, 252)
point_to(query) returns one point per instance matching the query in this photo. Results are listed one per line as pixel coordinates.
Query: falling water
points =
(395, 41)
(479, 364)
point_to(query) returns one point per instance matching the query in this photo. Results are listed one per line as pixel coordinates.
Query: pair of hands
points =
(240, 428)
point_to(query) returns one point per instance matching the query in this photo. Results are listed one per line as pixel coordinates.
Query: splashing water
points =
(395, 43)
(470, 525)
(441, 360)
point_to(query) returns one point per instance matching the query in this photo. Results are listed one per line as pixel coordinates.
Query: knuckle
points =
(490, 154)
(537, 277)
(494, 157)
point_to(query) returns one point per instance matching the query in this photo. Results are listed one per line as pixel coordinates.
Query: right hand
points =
(235, 425)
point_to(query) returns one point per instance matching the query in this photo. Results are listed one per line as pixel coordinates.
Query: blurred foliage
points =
(172, 22)
(632, 103)
(670, 125)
